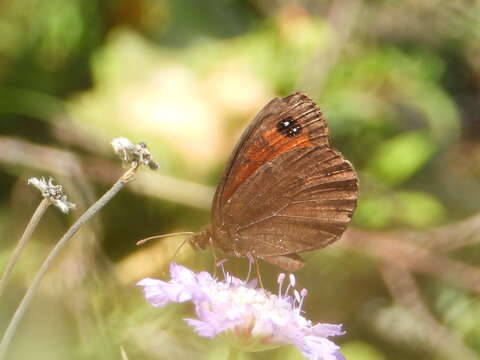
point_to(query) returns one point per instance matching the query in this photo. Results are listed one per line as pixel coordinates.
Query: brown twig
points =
(451, 237)
(342, 16)
(404, 289)
(16, 152)
(392, 249)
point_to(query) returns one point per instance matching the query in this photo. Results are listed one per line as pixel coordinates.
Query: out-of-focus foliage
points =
(398, 81)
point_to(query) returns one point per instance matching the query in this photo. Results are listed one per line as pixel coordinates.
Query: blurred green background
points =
(399, 82)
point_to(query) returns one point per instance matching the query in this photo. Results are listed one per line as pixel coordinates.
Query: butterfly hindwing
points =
(301, 200)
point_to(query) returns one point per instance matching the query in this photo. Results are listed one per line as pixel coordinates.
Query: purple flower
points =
(252, 318)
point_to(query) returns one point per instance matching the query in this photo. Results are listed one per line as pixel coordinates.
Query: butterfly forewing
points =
(283, 124)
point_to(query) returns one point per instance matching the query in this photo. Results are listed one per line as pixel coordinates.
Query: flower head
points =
(251, 317)
(134, 154)
(52, 192)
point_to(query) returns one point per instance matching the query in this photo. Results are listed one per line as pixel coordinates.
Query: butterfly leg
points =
(257, 266)
(215, 262)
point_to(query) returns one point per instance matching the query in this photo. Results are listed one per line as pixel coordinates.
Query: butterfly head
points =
(201, 239)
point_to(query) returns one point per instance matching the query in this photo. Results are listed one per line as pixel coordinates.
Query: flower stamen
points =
(303, 294)
(296, 294)
(290, 285)
(280, 280)
(220, 265)
(292, 280)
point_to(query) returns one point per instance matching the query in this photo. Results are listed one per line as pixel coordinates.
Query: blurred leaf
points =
(374, 211)
(56, 44)
(406, 208)
(289, 353)
(460, 311)
(419, 209)
(394, 91)
(357, 350)
(221, 350)
(398, 159)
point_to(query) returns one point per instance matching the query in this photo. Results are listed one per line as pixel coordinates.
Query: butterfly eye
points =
(289, 127)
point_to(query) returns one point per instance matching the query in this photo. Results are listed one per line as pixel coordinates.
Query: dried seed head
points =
(52, 192)
(133, 154)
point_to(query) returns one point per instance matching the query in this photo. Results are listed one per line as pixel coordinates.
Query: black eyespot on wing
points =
(289, 127)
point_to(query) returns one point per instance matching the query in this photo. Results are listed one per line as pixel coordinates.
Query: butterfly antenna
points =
(215, 261)
(143, 241)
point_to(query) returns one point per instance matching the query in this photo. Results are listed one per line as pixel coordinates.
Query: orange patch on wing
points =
(279, 144)
(241, 175)
(257, 155)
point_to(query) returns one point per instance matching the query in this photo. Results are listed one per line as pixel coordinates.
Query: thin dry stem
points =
(32, 224)
(22, 308)
(123, 353)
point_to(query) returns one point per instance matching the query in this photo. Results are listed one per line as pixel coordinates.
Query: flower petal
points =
(159, 293)
(318, 348)
(204, 278)
(203, 328)
(179, 272)
(326, 330)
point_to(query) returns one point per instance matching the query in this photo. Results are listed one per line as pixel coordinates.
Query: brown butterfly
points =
(285, 190)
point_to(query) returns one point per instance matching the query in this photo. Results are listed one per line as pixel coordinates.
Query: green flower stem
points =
(37, 215)
(21, 309)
